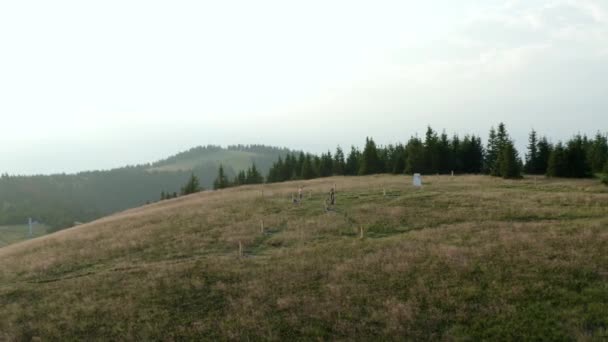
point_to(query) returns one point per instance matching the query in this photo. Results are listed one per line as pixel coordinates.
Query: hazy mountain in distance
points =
(59, 200)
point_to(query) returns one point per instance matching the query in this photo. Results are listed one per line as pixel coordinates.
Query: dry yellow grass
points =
(468, 257)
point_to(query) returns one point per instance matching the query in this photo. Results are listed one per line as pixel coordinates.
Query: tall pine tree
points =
(370, 162)
(339, 164)
(509, 161)
(221, 182)
(532, 161)
(192, 186)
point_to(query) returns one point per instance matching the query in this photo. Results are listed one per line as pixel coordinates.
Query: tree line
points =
(438, 153)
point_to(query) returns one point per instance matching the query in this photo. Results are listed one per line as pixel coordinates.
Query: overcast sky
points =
(100, 84)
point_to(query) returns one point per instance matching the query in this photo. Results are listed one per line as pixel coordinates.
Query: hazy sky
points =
(99, 84)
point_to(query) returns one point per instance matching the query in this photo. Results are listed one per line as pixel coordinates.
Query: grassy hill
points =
(464, 258)
(233, 158)
(60, 200)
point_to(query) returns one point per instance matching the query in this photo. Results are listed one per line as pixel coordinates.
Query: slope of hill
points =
(468, 257)
(234, 158)
(59, 200)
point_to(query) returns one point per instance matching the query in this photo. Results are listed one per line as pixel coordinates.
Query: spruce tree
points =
(509, 161)
(502, 139)
(492, 152)
(253, 176)
(370, 162)
(532, 162)
(598, 153)
(221, 182)
(431, 152)
(457, 156)
(415, 161)
(399, 158)
(339, 163)
(444, 154)
(576, 156)
(307, 168)
(558, 163)
(353, 161)
(544, 152)
(299, 166)
(326, 165)
(192, 186)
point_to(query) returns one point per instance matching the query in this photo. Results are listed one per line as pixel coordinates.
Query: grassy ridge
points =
(464, 258)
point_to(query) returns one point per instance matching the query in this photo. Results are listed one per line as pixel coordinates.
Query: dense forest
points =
(62, 199)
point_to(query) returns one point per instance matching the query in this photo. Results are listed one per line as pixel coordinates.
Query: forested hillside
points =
(60, 200)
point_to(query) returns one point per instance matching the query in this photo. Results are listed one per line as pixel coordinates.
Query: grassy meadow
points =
(463, 258)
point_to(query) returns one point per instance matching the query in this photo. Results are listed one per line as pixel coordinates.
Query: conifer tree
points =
(415, 161)
(221, 182)
(399, 158)
(241, 178)
(456, 155)
(492, 152)
(502, 139)
(339, 163)
(444, 154)
(558, 163)
(370, 162)
(192, 186)
(576, 155)
(352, 162)
(544, 152)
(299, 166)
(289, 170)
(597, 154)
(431, 152)
(532, 162)
(307, 168)
(253, 176)
(326, 165)
(509, 161)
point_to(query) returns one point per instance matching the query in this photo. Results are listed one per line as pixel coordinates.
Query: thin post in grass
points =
(240, 249)
(361, 233)
(262, 226)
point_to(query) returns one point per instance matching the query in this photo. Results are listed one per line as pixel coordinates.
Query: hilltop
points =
(60, 200)
(469, 257)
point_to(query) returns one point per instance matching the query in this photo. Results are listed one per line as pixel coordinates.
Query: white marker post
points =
(30, 224)
(417, 180)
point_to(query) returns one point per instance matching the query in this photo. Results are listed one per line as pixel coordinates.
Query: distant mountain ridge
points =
(61, 199)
